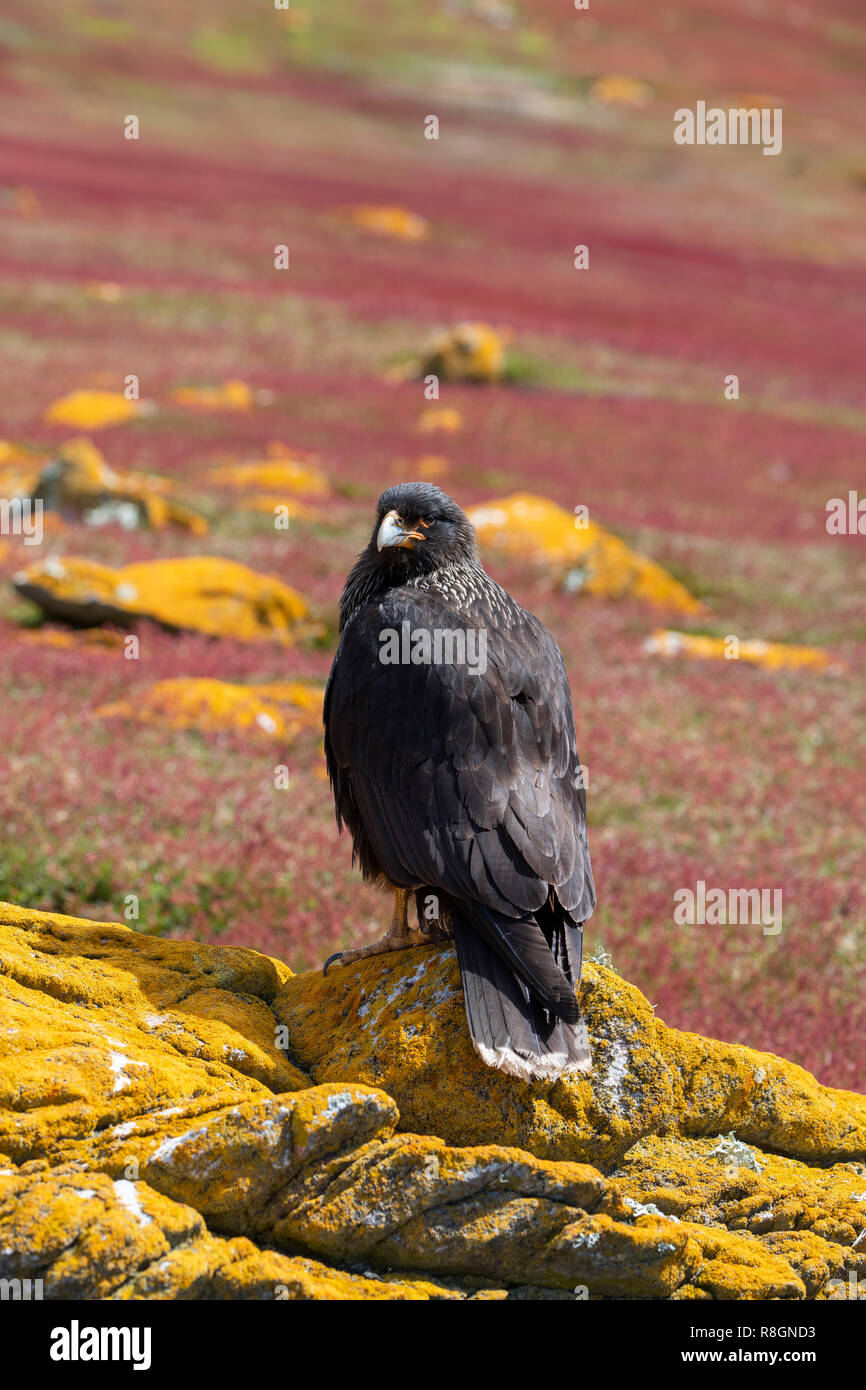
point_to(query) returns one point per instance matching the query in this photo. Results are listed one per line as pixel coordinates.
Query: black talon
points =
(336, 956)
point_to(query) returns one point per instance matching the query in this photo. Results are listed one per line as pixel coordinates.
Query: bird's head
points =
(418, 528)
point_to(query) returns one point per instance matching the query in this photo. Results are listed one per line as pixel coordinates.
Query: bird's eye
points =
(427, 521)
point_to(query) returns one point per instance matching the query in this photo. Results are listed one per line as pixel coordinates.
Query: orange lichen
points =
(150, 1079)
(19, 469)
(469, 352)
(93, 410)
(201, 593)
(87, 639)
(590, 558)
(279, 711)
(297, 477)
(440, 417)
(428, 468)
(388, 221)
(105, 290)
(616, 90)
(231, 395)
(773, 655)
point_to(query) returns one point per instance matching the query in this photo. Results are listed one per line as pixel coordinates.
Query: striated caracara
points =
(449, 737)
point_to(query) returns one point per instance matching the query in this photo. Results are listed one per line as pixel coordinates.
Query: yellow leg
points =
(398, 937)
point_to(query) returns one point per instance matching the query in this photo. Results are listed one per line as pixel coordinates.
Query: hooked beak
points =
(391, 533)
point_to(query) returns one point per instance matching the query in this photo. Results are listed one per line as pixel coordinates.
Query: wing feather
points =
(467, 782)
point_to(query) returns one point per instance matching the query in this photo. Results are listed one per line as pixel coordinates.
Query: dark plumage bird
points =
(449, 737)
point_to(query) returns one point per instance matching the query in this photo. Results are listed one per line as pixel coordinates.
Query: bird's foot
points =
(399, 937)
(378, 948)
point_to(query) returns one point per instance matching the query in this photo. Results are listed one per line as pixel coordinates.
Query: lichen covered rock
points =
(277, 711)
(397, 1021)
(186, 1121)
(94, 410)
(104, 640)
(587, 557)
(771, 655)
(87, 1236)
(468, 352)
(442, 418)
(230, 395)
(102, 1025)
(388, 221)
(284, 471)
(198, 593)
(78, 481)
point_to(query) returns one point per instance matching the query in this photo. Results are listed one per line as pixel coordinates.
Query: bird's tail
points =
(518, 985)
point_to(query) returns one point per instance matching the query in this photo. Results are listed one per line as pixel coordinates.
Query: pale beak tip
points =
(390, 532)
